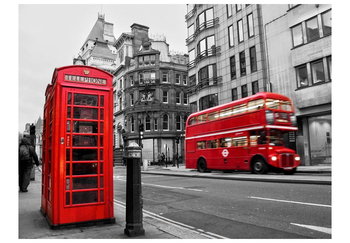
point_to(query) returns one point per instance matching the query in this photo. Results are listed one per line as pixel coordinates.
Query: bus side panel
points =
(190, 154)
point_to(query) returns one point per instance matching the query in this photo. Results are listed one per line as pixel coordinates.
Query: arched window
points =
(148, 123)
(165, 122)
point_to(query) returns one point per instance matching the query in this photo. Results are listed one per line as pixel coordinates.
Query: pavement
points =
(320, 174)
(33, 225)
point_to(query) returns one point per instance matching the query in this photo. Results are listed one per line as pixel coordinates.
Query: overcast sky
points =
(50, 36)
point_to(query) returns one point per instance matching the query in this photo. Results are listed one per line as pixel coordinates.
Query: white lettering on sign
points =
(83, 79)
(225, 153)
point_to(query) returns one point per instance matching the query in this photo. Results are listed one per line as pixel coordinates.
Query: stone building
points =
(236, 50)
(151, 89)
(98, 50)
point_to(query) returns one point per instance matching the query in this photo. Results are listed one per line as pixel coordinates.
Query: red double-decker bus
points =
(246, 134)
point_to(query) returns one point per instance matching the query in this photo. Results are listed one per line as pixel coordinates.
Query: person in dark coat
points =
(26, 156)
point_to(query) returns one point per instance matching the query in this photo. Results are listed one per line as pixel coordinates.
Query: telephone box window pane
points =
(101, 114)
(84, 154)
(84, 141)
(85, 113)
(67, 198)
(84, 183)
(84, 99)
(69, 98)
(101, 140)
(67, 183)
(68, 126)
(101, 182)
(84, 197)
(67, 169)
(85, 127)
(102, 100)
(67, 154)
(101, 127)
(69, 112)
(84, 169)
(101, 168)
(101, 154)
(102, 196)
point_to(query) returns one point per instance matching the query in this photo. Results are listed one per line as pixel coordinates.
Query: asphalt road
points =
(237, 209)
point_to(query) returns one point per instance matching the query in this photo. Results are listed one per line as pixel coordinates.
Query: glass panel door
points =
(84, 148)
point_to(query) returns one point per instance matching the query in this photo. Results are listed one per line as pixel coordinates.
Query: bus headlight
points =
(273, 158)
(297, 158)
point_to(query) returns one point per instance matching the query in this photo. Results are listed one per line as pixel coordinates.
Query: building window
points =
(242, 64)
(329, 65)
(255, 87)
(193, 107)
(208, 101)
(153, 59)
(207, 74)
(312, 32)
(193, 80)
(121, 83)
(131, 99)
(327, 23)
(140, 60)
(302, 77)
(317, 72)
(206, 47)
(244, 91)
(132, 122)
(184, 121)
(205, 19)
(165, 96)
(234, 94)
(164, 77)
(240, 30)
(184, 79)
(120, 104)
(230, 36)
(148, 123)
(177, 78)
(155, 124)
(131, 80)
(229, 10)
(252, 54)
(233, 67)
(178, 123)
(185, 99)
(297, 35)
(178, 98)
(191, 58)
(250, 25)
(238, 7)
(190, 31)
(141, 78)
(165, 122)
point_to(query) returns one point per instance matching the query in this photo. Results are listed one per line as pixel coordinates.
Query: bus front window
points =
(275, 138)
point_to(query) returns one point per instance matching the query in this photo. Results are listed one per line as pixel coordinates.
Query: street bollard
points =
(134, 226)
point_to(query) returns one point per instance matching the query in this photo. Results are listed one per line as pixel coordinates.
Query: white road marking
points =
(317, 228)
(209, 235)
(286, 201)
(162, 186)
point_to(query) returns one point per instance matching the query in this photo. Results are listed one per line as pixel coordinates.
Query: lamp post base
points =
(134, 230)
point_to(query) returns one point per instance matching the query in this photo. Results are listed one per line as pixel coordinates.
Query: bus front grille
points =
(287, 160)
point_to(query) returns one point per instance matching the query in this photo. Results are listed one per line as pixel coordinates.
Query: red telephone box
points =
(77, 178)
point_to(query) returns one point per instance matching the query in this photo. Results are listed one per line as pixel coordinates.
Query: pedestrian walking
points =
(25, 159)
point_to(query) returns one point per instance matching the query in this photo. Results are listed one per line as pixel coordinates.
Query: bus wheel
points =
(202, 165)
(259, 167)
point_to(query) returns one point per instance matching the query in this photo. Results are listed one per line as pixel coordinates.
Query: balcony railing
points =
(204, 83)
(213, 51)
(191, 13)
(144, 82)
(206, 25)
